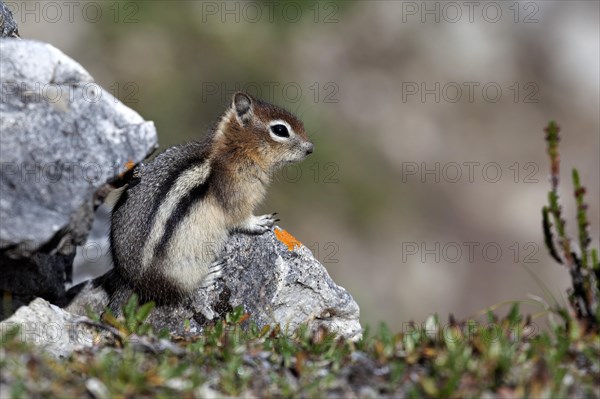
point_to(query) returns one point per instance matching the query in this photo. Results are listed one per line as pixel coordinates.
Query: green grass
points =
(468, 359)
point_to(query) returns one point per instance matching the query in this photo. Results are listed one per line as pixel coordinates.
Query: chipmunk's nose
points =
(310, 148)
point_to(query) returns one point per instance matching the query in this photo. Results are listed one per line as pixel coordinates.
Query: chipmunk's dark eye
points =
(280, 130)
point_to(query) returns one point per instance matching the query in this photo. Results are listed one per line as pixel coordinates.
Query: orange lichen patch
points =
(128, 166)
(289, 240)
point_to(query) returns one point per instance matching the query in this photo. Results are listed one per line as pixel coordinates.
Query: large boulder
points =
(63, 140)
(272, 276)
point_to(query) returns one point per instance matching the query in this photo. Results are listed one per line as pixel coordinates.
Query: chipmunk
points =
(172, 220)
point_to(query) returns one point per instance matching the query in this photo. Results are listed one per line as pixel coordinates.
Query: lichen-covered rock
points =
(274, 277)
(62, 139)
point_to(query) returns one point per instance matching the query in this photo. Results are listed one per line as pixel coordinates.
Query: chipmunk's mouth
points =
(298, 155)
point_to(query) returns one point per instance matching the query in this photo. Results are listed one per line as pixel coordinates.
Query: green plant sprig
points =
(585, 278)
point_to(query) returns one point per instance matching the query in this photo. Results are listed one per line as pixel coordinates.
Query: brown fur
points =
(194, 194)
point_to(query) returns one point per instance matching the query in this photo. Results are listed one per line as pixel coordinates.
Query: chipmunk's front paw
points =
(258, 224)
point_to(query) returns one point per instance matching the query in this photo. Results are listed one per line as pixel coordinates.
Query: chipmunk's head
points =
(269, 134)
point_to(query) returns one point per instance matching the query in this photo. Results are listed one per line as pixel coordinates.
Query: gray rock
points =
(49, 328)
(8, 26)
(274, 278)
(62, 140)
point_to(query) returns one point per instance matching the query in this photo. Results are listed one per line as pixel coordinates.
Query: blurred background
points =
(425, 190)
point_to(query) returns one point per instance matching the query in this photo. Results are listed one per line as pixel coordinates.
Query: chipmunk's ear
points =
(242, 104)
